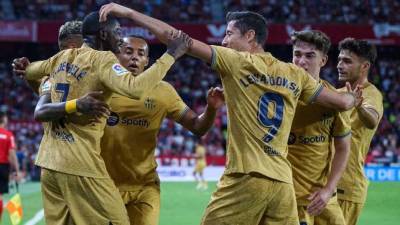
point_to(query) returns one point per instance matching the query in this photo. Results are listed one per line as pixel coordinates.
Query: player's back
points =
(261, 94)
(75, 147)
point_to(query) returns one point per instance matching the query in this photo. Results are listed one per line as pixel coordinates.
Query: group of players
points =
(92, 168)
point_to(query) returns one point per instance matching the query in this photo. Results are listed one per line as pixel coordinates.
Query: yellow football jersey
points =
(201, 154)
(261, 94)
(354, 184)
(130, 137)
(75, 148)
(311, 145)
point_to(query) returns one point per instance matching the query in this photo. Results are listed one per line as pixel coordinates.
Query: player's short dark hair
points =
(70, 29)
(361, 48)
(246, 20)
(315, 37)
(92, 26)
(140, 37)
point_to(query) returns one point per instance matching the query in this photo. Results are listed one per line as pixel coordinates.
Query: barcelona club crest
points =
(149, 103)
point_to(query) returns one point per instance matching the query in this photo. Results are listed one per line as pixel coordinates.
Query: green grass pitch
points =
(182, 204)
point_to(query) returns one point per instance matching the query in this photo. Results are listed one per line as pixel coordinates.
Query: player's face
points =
(308, 57)
(134, 55)
(114, 37)
(234, 39)
(349, 66)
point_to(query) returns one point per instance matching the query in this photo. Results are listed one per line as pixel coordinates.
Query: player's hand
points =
(93, 104)
(356, 92)
(17, 176)
(114, 10)
(318, 199)
(19, 66)
(178, 43)
(215, 98)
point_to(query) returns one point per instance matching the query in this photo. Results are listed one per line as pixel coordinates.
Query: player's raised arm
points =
(340, 101)
(200, 124)
(157, 27)
(121, 81)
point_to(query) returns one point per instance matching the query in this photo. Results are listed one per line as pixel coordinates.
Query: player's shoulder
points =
(164, 86)
(6, 132)
(371, 88)
(326, 84)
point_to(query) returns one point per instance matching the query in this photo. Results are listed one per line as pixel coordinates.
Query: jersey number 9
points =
(270, 113)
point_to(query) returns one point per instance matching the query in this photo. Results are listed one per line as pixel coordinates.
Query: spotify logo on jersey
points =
(292, 139)
(113, 119)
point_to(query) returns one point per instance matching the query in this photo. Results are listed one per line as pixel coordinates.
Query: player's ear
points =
(147, 62)
(324, 60)
(250, 35)
(365, 66)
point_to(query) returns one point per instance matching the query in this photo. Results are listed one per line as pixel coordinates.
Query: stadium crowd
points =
(192, 79)
(203, 11)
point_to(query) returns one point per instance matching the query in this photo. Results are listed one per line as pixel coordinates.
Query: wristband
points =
(70, 106)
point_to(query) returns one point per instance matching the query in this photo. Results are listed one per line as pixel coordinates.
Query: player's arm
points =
(124, 83)
(91, 103)
(320, 198)
(19, 68)
(369, 116)
(159, 28)
(200, 124)
(340, 101)
(31, 71)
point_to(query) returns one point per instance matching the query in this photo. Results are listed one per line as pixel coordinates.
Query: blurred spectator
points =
(203, 11)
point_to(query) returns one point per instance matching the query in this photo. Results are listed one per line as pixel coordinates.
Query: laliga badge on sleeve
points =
(119, 70)
(46, 86)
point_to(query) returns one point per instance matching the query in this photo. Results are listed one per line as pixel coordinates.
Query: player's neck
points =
(93, 43)
(361, 81)
(315, 76)
(257, 49)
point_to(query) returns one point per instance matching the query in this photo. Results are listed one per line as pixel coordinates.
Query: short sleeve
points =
(45, 86)
(373, 100)
(310, 87)
(12, 141)
(225, 60)
(342, 124)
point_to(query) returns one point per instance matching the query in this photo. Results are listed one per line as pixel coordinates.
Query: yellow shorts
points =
(351, 211)
(331, 215)
(143, 205)
(70, 199)
(243, 199)
(199, 166)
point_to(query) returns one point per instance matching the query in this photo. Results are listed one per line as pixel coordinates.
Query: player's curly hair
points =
(246, 20)
(361, 48)
(69, 28)
(315, 37)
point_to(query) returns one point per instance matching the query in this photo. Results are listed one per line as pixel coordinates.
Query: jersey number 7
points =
(62, 88)
(272, 120)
